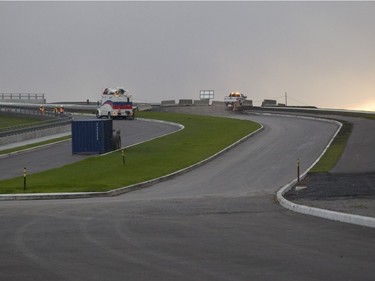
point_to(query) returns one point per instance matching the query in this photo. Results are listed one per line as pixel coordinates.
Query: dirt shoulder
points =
(352, 193)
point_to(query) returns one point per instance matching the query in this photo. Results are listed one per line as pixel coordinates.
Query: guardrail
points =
(23, 111)
(47, 120)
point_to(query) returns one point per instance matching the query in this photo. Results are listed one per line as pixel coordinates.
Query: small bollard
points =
(298, 175)
(123, 156)
(24, 178)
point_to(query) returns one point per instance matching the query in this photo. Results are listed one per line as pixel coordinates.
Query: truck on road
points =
(234, 99)
(116, 103)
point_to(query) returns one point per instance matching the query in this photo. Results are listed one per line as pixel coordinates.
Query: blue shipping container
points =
(92, 136)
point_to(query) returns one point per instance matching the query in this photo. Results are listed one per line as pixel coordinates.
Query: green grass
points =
(333, 154)
(202, 137)
(370, 116)
(10, 121)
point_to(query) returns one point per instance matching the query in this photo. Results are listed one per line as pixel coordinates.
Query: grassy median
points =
(333, 154)
(202, 137)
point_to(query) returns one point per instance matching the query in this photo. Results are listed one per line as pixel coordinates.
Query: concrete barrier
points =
(218, 103)
(185, 102)
(248, 103)
(35, 98)
(201, 102)
(266, 103)
(168, 103)
(35, 134)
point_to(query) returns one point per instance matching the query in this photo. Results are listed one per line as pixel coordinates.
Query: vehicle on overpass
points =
(234, 99)
(116, 103)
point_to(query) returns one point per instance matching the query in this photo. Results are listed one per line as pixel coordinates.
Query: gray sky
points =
(321, 53)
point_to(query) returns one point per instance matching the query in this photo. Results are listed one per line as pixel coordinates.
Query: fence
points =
(22, 98)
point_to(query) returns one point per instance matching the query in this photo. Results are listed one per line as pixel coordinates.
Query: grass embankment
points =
(10, 121)
(202, 137)
(333, 154)
(370, 116)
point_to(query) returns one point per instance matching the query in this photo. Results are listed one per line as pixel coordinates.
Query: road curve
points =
(218, 222)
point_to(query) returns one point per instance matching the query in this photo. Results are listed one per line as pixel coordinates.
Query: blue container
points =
(92, 136)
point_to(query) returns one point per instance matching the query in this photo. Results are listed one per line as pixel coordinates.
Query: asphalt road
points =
(349, 187)
(218, 222)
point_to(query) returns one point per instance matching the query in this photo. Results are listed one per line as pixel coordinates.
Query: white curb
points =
(317, 212)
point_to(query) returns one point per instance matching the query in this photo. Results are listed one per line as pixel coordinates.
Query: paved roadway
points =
(218, 222)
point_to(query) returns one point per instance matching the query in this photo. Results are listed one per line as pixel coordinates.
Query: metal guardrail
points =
(47, 120)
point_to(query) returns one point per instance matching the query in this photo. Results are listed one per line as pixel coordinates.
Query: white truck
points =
(234, 99)
(116, 103)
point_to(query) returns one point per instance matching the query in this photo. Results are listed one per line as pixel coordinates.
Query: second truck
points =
(116, 103)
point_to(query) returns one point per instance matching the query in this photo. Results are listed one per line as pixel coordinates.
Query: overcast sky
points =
(320, 53)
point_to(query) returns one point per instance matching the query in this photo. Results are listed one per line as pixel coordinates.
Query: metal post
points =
(123, 156)
(24, 178)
